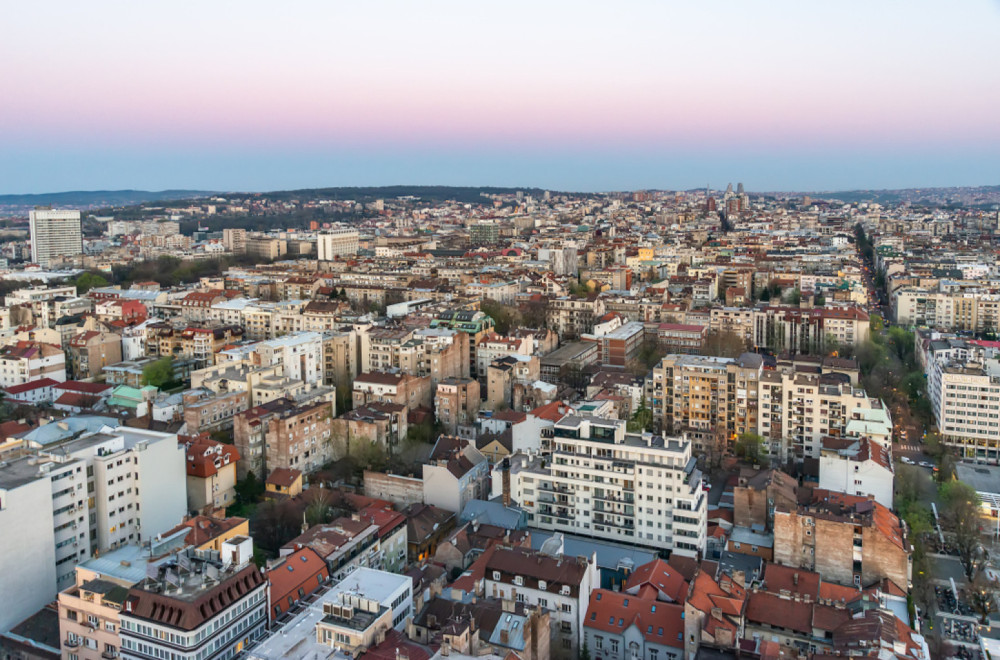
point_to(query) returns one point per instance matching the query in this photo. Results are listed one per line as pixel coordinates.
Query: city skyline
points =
(563, 96)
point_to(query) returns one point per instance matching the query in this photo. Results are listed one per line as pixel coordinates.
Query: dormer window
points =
(496, 575)
(541, 585)
(518, 580)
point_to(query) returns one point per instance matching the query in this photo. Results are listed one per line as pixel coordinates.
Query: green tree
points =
(724, 343)
(319, 510)
(505, 318)
(584, 652)
(159, 372)
(87, 281)
(962, 519)
(794, 298)
(750, 447)
(642, 419)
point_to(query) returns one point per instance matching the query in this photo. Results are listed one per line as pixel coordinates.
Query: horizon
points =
(567, 96)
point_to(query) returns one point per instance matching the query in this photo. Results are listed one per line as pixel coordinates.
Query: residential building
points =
(91, 351)
(398, 388)
(603, 482)
(353, 616)
(282, 434)
(26, 361)
(562, 585)
(857, 467)
(211, 474)
(456, 403)
(197, 607)
(292, 578)
(455, 474)
(54, 235)
(335, 243)
(850, 540)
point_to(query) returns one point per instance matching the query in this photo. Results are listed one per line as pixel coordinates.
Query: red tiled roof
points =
(657, 580)
(86, 388)
(614, 612)
(283, 477)
(33, 385)
(298, 570)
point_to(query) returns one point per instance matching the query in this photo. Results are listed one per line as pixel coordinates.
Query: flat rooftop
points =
(983, 478)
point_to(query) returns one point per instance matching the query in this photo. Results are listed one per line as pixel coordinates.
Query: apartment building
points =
(300, 356)
(560, 584)
(402, 389)
(28, 361)
(91, 351)
(211, 474)
(435, 352)
(456, 403)
(199, 344)
(857, 467)
(572, 317)
(710, 399)
(799, 409)
(494, 346)
(605, 483)
(476, 324)
(353, 616)
(266, 248)
(283, 434)
(199, 605)
(205, 410)
(335, 243)
(809, 330)
(456, 473)
(235, 240)
(965, 399)
(851, 540)
(80, 496)
(54, 235)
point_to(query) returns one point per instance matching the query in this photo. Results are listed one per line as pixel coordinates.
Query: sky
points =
(250, 95)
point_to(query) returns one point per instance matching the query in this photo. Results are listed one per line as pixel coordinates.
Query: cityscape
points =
(418, 331)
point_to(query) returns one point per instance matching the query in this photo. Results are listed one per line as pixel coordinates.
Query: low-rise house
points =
(455, 474)
(857, 467)
(293, 578)
(426, 527)
(284, 483)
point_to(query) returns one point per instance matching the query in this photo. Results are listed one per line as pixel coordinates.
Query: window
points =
(496, 575)
(614, 646)
(518, 580)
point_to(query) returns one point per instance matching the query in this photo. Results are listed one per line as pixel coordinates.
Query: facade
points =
(205, 410)
(850, 540)
(649, 492)
(857, 467)
(335, 243)
(91, 351)
(965, 398)
(197, 607)
(455, 474)
(25, 362)
(456, 403)
(282, 434)
(89, 615)
(559, 584)
(211, 474)
(54, 234)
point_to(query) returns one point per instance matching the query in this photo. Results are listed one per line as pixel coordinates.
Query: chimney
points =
(505, 476)
(795, 579)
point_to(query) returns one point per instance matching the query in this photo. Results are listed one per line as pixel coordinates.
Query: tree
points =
(584, 652)
(87, 281)
(724, 343)
(642, 420)
(159, 372)
(982, 591)
(962, 516)
(319, 510)
(750, 447)
(504, 317)
(794, 298)
(250, 488)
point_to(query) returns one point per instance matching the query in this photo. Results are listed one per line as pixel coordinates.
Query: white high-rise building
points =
(74, 497)
(337, 243)
(54, 234)
(602, 482)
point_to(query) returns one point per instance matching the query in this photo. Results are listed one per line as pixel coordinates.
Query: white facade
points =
(863, 469)
(965, 398)
(299, 354)
(43, 518)
(54, 234)
(337, 243)
(637, 489)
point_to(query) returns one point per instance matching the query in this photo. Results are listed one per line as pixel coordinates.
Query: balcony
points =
(72, 643)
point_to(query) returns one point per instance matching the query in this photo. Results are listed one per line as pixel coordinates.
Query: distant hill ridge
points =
(91, 198)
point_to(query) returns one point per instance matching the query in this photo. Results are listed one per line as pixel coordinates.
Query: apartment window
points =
(496, 575)
(518, 580)
(566, 607)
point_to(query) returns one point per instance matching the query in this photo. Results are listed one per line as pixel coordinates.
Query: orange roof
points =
(298, 570)
(657, 580)
(615, 612)
(206, 457)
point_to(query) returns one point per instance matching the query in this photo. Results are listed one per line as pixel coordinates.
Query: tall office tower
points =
(739, 189)
(54, 234)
